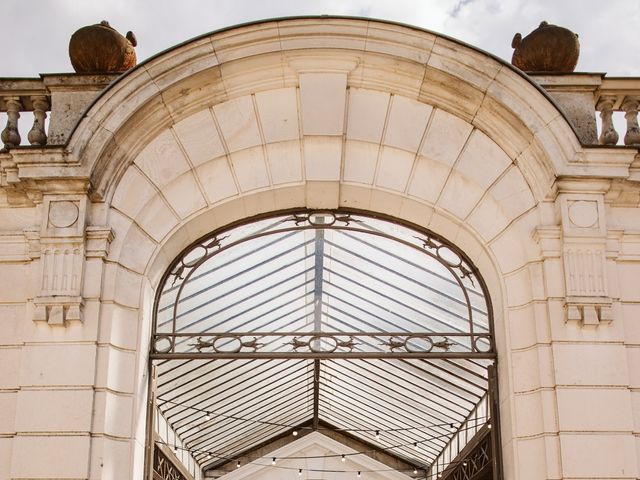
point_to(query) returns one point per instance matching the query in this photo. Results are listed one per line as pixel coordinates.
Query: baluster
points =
(37, 135)
(630, 107)
(10, 135)
(608, 136)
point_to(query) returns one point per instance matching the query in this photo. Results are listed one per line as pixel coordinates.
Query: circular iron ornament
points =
(234, 347)
(163, 343)
(322, 219)
(448, 256)
(333, 344)
(428, 344)
(482, 343)
(194, 256)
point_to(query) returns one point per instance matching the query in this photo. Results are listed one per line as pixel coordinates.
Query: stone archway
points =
(325, 113)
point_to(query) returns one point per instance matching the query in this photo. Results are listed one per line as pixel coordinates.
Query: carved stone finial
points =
(101, 49)
(549, 48)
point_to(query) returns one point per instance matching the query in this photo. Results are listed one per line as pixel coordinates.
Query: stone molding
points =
(584, 245)
(61, 246)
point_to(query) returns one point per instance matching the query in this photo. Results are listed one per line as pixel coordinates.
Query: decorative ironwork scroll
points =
(163, 467)
(318, 284)
(476, 462)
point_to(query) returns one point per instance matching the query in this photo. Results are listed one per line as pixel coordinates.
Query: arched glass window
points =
(323, 320)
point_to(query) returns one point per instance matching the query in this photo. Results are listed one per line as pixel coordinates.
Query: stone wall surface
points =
(320, 113)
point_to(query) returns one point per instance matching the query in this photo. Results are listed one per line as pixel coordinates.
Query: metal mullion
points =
(288, 324)
(434, 389)
(178, 364)
(375, 327)
(256, 407)
(218, 444)
(343, 416)
(413, 264)
(404, 277)
(427, 413)
(274, 309)
(231, 426)
(236, 427)
(217, 383)
(233, 290)
(376, 305)
(226, 413)
(264, 290)
(366, 421)
(214, 368)
(393, 300)
(232, 260)
(455, 388)
(403, 331)
(473, 367)
(462, 387)
(233, 378)
(256, 396)
(424, 415)
(447, 402)
(247, 270)
(457, 375)
(205, 378)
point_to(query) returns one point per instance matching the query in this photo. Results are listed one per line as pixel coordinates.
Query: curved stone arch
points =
(137, 263)
(175, 160)
(487, 93)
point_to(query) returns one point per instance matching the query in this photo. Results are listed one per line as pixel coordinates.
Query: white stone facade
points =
(318, 113)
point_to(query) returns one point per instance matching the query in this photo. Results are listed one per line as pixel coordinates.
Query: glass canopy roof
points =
(321, 320)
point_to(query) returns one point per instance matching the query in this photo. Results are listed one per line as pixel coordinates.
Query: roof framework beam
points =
(317, 317)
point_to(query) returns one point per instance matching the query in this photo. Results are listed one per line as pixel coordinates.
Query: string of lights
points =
(208, 416)
(274, 463)
(343, 456)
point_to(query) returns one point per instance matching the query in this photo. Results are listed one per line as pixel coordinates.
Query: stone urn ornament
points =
(101, 49)
(549, 48)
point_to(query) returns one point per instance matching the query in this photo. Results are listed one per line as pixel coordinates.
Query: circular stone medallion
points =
(583, 214)
(63, 214)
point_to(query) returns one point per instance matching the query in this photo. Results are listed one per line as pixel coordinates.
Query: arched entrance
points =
(325, 113)
(361, 328)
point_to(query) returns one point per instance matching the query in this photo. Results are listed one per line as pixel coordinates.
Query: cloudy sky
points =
(35, 33)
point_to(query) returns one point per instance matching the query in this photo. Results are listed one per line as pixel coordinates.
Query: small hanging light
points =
(238, 464)
(488, 425)
(452, 427)
(416, 446)
(464, 464)
(299, 472)
(377, 434)
(344, 458)
(273, 461)
(208, 456)
(359, 475)
(295, 433)
(207, 416)
(415, 471)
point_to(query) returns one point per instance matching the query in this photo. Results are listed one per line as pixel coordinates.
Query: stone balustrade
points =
(582, 96)
(64, 97)
(61, 97)
(24, 95)
(615, 95)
